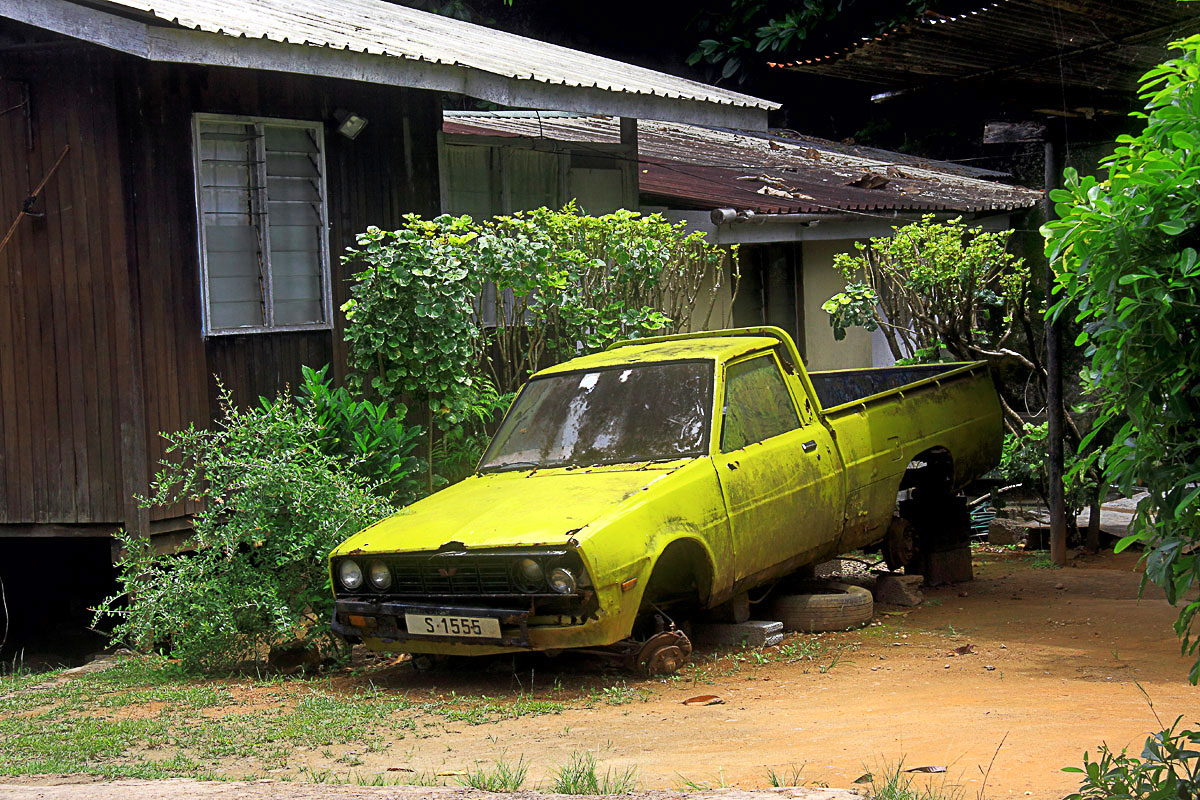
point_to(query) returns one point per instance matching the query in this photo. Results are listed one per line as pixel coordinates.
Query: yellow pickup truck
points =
(629, 489)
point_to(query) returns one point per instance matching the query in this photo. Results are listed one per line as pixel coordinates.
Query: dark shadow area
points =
(49, 588)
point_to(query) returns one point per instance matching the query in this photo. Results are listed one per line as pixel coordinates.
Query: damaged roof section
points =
(780, 172)
(380, 42)
(1055, 45)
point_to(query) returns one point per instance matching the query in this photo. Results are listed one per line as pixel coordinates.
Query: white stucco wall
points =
(822, 281)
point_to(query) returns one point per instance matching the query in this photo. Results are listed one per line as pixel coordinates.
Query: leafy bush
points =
(459, 450)
(274, 504)
(1125, 249)
(567, 284)
(367, 436)
(940, 287)
(455, 314)
(1169, 769)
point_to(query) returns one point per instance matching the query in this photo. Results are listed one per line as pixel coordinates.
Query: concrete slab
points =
(755, 633)
(899, 590)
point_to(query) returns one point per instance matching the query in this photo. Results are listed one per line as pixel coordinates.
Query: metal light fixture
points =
(350, 124)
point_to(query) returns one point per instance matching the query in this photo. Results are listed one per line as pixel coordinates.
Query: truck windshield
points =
(619, 415)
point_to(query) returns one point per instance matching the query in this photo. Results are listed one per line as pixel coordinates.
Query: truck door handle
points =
(731, 464)
(809, 446)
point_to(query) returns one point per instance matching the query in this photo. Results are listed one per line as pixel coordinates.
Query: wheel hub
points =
(663, 653)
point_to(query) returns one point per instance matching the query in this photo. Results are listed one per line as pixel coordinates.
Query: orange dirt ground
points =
(1068, 646)
(1067, 650)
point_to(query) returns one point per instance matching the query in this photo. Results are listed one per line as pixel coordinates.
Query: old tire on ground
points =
(825, 606)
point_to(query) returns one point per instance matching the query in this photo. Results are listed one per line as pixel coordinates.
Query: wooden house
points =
(177, 179)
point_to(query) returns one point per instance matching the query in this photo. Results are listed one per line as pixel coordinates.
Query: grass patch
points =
(503, 776)
(896, 785)
(785, 778)
(143, 718)
(1043, 561)
(579, 776)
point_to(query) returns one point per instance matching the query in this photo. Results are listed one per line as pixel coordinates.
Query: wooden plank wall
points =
(64, 360)
(100, 300)
(388, 171)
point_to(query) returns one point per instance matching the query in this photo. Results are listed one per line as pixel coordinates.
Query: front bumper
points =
(381, 626)
(385, 622)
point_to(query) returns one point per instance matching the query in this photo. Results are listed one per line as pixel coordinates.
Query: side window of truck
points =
(757, 403)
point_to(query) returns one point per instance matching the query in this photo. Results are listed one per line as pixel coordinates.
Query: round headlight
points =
(380, 575)
(562, 581)
(350, 574)
(528, 575)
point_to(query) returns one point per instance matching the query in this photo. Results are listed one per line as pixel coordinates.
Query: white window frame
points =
(322, 237)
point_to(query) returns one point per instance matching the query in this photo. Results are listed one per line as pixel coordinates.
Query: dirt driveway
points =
(1053, 668)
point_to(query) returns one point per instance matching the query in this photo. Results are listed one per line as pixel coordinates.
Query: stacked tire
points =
(825, 606)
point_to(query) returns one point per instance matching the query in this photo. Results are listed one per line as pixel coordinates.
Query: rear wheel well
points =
(930, 472)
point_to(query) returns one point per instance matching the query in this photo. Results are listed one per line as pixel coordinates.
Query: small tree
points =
(940, 287)
(1125, 249)
(455, 314)
(567, 284)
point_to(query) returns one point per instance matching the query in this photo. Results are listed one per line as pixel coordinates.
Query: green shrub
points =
(1169, 769)
(274, 503)
(454, 314)
(1126, 253)
(368, 436)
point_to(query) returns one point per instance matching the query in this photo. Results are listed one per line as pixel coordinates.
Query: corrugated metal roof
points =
(782, 172)
(1085, 44)
(384, 29)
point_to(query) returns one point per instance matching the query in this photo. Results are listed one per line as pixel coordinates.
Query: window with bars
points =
(260, 196)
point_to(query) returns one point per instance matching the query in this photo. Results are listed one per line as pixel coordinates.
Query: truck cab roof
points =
(717, 348)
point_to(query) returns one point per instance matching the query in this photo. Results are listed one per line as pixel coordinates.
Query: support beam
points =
(1054, 384)
(632, 167)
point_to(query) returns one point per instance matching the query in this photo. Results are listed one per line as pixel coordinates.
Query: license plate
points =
(440, 625)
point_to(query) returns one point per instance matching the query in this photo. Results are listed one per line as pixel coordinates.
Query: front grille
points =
(459, 574)
(450, 575)
(478, 579)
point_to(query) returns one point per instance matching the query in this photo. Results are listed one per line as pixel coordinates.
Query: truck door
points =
(778, 472)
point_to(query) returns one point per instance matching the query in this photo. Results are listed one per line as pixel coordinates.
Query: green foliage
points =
(1125, 249)
(367, 436)
(1024, 460)
(409, 319)
(579, 776)
(456, 313)
(502, 777)
(932, 283)
(566, 284)
(854, 306)
(458, 450)
(274, 503)
(937, 288)
(1169, 769)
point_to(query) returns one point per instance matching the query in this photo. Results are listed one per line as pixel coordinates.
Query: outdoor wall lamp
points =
(350, 124)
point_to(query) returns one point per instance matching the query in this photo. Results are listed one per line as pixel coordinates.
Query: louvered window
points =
(260, 192)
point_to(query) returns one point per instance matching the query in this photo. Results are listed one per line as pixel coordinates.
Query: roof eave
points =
(176, 45)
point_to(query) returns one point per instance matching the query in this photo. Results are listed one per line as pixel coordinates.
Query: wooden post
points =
(633, 172)
(1054, 402)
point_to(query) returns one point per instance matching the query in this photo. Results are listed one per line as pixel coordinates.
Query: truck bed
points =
(839, 387)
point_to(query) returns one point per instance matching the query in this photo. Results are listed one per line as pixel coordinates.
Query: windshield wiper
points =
(510, 465)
